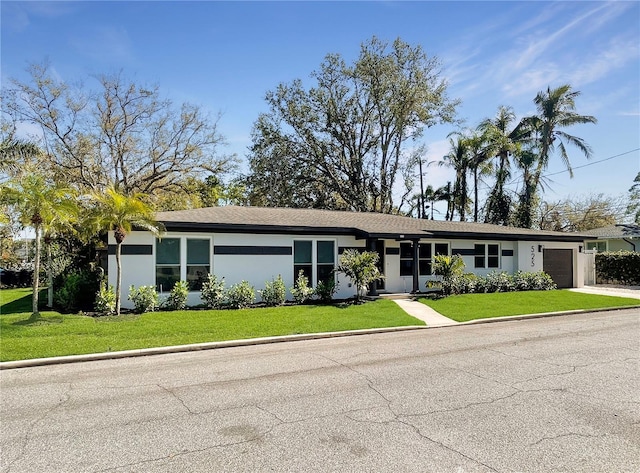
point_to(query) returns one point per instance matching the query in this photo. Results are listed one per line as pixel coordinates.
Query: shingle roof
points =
(614, 231)
(360, 224)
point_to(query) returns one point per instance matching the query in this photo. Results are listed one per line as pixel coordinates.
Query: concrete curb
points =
(7, 365)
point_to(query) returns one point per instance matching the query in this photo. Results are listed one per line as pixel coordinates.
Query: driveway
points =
(539, 395)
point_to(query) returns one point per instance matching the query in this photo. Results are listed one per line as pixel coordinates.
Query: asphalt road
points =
(544, 395)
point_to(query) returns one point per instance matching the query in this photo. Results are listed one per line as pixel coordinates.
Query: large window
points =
(186, 259)
(316, 258)
(167, 263)
(198, 254)
(426, 251)
(486, 255)
(599, 246)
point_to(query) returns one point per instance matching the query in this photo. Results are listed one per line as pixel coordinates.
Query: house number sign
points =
(533, 256)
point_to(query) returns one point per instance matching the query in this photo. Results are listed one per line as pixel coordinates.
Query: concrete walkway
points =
(632, 292)
(424, 312)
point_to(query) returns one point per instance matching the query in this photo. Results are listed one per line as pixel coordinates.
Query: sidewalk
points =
(424, 312)
(611, 290)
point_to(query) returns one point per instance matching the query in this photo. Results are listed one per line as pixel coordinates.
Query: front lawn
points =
(56, 334)
(465, 307)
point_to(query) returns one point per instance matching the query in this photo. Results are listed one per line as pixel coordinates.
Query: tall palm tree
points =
(556, 110)
(458, 159)
(505, 140)
(479, 156)
(40, 205)
(121, 213)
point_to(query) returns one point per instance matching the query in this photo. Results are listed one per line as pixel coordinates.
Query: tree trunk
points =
(475, 194)
(49, 278)
(118, 277)
(36, 272)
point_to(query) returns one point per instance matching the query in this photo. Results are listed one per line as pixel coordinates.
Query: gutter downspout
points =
(631, 243)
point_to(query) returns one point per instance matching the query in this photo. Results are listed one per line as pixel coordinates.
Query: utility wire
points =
(594, 162)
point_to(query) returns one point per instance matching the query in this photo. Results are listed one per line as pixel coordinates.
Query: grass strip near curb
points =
(58, 335)
(466, 307)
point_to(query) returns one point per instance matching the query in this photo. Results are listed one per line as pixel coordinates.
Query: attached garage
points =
(558, 263)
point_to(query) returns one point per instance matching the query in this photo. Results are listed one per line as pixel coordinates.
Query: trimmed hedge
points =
(621, 267)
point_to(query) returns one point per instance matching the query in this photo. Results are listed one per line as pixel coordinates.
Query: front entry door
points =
(380, 251)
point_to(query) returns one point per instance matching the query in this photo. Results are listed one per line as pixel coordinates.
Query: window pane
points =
(406, 251)
(168, 251)
(307, 270)
(406, 267)
(425, 250)
(196, 275)
(166, 277)
(479, 262)
(325, 253)
(425, 268)
(493, 262)
(442, 249)
(478, 250)
(493, 250)
(301, 252)
(198, 251)
(591, 245)
(601, 246)
(325, 272)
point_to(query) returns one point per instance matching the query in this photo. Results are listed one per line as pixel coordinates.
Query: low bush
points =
(76, 291)
(145, 298)
(301, 291)
(469, 283)
(213, 292)
(325, 290)
(105, 303)
(177, 299)
(274, 293)
(241, 295)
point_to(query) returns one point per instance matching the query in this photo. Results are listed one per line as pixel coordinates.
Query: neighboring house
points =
(257, 244)
(620, 237)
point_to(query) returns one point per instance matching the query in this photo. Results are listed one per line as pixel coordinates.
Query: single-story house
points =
(258, 244)
(619, 237)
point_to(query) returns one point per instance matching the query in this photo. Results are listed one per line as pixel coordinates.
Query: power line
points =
(595, 162)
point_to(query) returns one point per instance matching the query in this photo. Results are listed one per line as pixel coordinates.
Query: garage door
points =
(559, 265)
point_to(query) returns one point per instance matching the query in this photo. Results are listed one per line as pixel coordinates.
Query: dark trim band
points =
(252, 250)
(507, 252)
(132, 249)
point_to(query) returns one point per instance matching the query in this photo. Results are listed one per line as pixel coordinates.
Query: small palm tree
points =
(40, 205)
(113, 211)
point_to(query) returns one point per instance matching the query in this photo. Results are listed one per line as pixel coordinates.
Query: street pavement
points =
(541, 395)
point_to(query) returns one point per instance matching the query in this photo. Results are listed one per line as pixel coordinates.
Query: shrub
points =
(498, 282)
(463, 284)
(618, 267)
(105, 303)
(241, 295)
(274, 293)
(177, 299)
(76, 291)
(449, 268)
(301, 291)
(213, 293)
(361, 268)
(145, 298)
(325, 290)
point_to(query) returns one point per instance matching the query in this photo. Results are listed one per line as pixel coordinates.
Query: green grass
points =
(465, 307)
(56, 334)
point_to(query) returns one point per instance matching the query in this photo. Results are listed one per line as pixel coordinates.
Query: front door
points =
(380, 251)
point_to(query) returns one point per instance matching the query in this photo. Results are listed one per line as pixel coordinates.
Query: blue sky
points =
(226, 55)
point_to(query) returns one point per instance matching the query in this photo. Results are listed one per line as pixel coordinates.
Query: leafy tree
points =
(122, 135)
(120, 213)
(361, 268)
(344, 141)
(577, 214)
(633, 209)
(40, 205)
